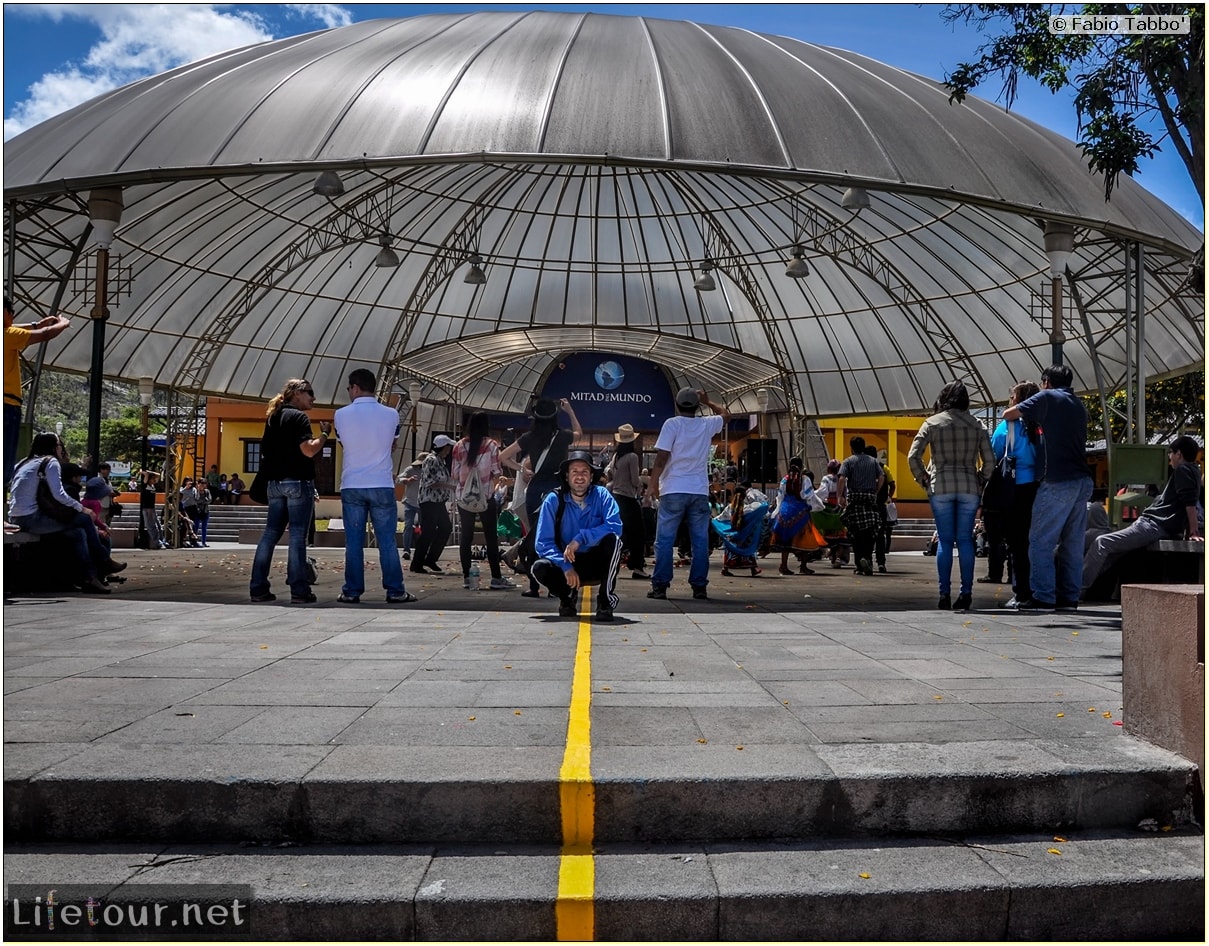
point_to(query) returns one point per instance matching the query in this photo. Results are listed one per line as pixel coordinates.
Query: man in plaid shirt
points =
(861, 476)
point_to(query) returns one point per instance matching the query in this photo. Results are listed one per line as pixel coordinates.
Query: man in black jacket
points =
(1168, 517)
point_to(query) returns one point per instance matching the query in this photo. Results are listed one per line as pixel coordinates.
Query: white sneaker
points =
(501, 584)
(1012, 603)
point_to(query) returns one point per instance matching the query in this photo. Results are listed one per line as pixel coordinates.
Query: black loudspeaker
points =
(762, 460)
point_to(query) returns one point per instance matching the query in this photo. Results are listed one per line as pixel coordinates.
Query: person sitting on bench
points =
(46, 458)
(1168, 517)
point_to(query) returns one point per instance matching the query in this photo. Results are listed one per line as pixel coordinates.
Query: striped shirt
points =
(962, 457)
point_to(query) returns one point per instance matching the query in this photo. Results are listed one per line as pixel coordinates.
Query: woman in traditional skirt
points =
(739, 526)
(827, 519)
(792, 528)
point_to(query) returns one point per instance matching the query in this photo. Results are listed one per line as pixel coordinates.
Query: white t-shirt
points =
(367, 429)
(687, 440)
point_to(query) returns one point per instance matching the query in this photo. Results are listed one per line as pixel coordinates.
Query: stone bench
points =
(1177, 561)
(20, 538)
(1163, 668)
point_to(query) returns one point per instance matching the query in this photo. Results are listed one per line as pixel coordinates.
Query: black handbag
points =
(258, 492)
(1000, 491)
(47, 504)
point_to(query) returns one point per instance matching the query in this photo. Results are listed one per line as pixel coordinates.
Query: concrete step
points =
(391, 794)
(1090, 886)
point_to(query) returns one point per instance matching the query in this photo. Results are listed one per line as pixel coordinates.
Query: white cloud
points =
(329, 14)
(139, 40)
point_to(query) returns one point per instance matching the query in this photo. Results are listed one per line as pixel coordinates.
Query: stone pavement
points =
(792, 708)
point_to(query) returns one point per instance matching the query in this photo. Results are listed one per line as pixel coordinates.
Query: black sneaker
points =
(1035, 606)
(267, 596)
(604, 614)
(1067, 606)
(349, 599)
(567, 609)
(308, 598)
(700, 594)
(963, 603)
(660, 593)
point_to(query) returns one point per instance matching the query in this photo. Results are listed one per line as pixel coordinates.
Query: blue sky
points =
(58, 55)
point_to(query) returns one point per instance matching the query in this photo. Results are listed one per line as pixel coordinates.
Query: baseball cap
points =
(441, 441)
(687, 399)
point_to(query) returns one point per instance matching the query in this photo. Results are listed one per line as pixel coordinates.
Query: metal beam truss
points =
(1121, 270)
(461, 240)
(42, 222)
(845, 245)
(345, 225)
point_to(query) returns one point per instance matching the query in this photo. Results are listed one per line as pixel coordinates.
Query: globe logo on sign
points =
(609, 375)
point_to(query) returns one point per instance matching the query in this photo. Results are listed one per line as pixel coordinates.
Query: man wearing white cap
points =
(680, 480)
(436, 490)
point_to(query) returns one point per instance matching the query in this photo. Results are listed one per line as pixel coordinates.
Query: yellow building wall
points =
(890, 432)
(229, 423)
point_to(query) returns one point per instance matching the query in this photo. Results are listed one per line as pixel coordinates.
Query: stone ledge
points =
(1163, 661)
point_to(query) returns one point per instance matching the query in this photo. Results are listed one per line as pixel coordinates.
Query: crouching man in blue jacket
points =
(578, 538)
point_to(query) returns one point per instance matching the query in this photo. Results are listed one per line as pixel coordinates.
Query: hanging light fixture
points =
(855, 198)
(386, 256)
(705, 282)
(797, 268)
(1059, 246)
(328, 184)
(475, 275)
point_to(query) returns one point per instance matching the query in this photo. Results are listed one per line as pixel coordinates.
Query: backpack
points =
(473, 497)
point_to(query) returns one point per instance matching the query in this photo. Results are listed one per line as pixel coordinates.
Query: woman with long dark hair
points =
(540, 451)
(625, 483)
(793, 529)
(476, 464)
(45, 461)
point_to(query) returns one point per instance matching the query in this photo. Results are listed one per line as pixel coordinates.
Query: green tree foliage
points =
(122, 437)
(1173, 406)
(1122, 83)
(63, 399)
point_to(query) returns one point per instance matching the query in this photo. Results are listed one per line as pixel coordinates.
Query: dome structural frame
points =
(594, 163)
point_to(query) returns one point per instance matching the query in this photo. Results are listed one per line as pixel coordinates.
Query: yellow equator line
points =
(575, 909)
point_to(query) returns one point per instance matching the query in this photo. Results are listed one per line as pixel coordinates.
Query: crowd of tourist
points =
(565, 518)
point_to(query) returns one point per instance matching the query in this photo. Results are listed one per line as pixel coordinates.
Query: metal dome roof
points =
(593, 161)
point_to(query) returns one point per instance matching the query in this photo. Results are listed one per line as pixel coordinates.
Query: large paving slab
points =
(843, 715)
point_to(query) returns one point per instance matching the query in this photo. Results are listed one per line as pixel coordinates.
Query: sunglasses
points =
(308, 391)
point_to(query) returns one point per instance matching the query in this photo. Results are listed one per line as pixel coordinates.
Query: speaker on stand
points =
(761, 456)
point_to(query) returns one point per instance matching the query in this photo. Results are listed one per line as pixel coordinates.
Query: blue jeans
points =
(410, 515)
(954, 514)
(81, 532)
(674, 508)
(1059, 522)
(290, 502)
(378, 505)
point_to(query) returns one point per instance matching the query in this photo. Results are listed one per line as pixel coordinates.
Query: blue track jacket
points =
(598, 517)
